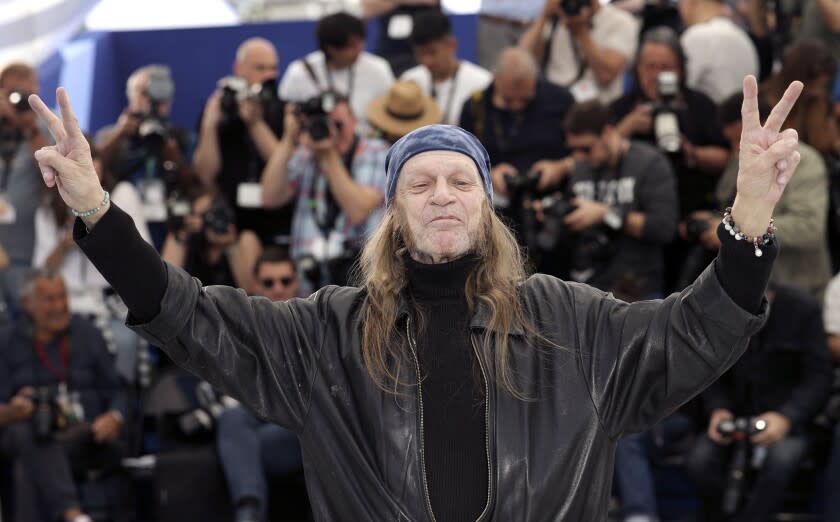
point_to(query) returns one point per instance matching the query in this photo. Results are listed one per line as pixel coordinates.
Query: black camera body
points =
(235, 90)
(554, 230)
(46, 416)
(573, 7)
(218, 218)
(19, 100)
(314, 115)
(694, 228)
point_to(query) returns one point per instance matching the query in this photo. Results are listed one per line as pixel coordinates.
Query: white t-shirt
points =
(454, 92)
(831, 306)
(363, 81)
(612, 28)
(83, 281)
(719, 54)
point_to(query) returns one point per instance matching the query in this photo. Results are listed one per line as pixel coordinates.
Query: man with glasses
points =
(249, 448)
(623, 210)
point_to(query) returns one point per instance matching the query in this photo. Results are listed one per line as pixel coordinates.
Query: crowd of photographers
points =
(613, 129)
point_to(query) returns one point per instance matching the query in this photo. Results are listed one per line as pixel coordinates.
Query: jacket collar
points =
(480, 319)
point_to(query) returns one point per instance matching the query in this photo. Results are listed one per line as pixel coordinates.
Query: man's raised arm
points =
(261, 353)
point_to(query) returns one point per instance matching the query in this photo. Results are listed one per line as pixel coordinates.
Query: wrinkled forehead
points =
(436, 163)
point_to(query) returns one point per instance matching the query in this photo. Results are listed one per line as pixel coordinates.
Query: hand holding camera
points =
(127, 124)
(586, 215)
(776, 428)
(640, 120)
(500, 174)
(106, 427)
(22, 404)
(719, 415)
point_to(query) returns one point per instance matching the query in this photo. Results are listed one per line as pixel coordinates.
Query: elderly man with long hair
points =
(448, 386)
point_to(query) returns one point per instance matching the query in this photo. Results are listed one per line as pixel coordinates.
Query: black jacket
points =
(520, 139)
(611, 369)
(787, 367)
(90, 368)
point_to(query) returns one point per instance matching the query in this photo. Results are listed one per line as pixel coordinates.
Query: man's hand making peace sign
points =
(767, 161)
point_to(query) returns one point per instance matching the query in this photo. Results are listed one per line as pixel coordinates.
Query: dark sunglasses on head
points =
(284, 281)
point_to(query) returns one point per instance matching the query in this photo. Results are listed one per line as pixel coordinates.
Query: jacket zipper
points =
(420, 411)
(486, 431)
(427, 499)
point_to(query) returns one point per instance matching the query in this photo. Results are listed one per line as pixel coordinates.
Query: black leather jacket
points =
(616, 368)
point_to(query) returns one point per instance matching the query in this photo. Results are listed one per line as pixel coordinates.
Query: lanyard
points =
(351, 79)
(325, 218)
(65, 355)
(449, 100)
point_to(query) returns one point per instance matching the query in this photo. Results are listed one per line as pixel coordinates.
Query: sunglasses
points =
(586, 149)
(283, 281)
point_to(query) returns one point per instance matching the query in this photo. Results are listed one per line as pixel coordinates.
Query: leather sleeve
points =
(642, 361)
(262, 353)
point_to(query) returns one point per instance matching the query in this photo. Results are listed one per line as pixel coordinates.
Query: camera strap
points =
(328, 74)
(326, 220)
(449, 100)
(64, 354)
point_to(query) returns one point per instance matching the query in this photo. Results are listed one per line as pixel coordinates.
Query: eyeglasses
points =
(283, 281)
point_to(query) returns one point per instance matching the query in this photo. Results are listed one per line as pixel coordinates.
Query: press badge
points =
(153, 193)
(249, 195)
(7, 211)
(400, 27)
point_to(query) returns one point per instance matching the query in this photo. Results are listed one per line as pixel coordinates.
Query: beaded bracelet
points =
(87, 213)
(757, 241)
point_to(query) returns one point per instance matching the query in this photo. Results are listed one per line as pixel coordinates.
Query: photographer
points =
(800, 215)
(584, 46)
(239, 129)
(339, 179)
(341, 65)
(662, 111)
(207, 245)
(519, 120)
(783, 380)
(145, 149)
(20, 191)
(62, 405)
(623, 205)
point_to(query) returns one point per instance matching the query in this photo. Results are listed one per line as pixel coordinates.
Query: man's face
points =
(440, 200)
(511, 93)
(588, 148)
(259, 64)
(436, 56)
(654, 59)
(343, 127)
(47, 305)
(341, 57)
(277, 281)
(27, 83)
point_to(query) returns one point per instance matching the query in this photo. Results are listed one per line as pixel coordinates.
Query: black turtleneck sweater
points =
(454, 428)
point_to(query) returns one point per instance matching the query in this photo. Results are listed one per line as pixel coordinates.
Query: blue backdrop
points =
(94, 66)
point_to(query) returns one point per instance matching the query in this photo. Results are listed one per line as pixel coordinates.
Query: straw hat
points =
(403, 109)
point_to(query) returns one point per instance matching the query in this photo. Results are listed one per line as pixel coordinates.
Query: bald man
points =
(232, 151)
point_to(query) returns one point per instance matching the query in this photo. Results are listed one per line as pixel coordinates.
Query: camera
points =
(153, 127)
(694, 228)
(573, 7)
(666, 125)
(554, 230)
(235, 90)
(218, 218)
(202, 420)
(739, 430)
(314, 115)
(19, 100)
(45, 416)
